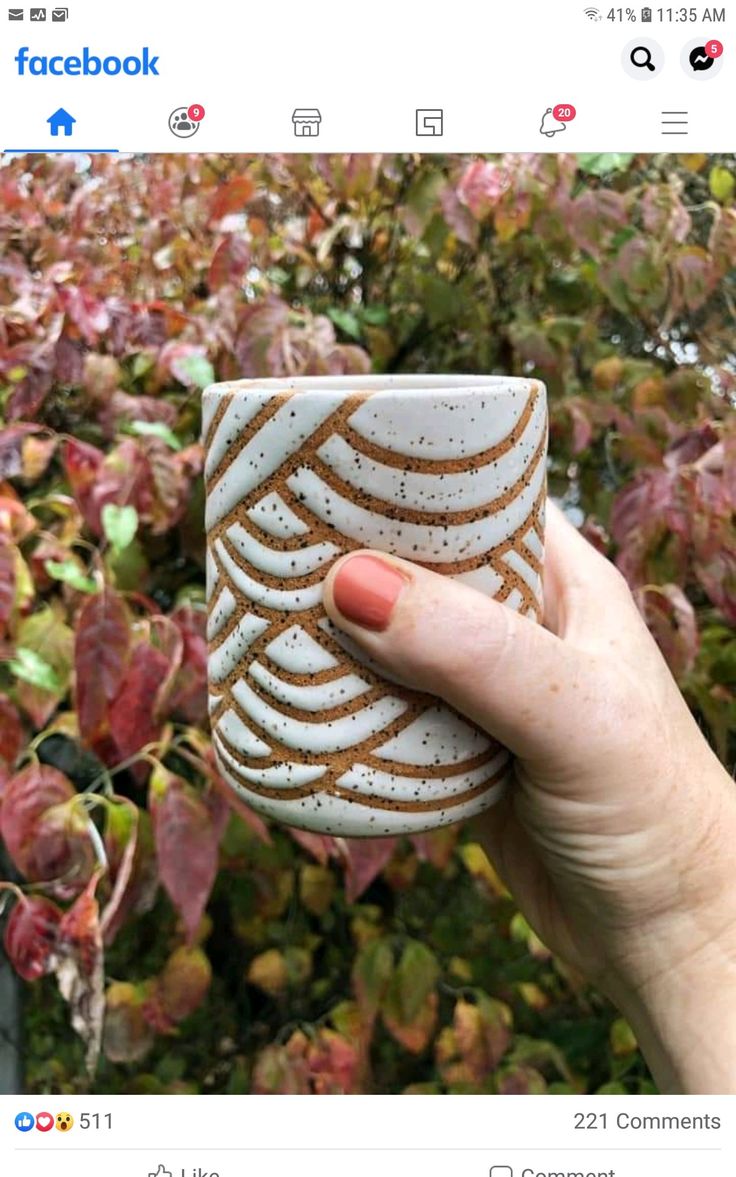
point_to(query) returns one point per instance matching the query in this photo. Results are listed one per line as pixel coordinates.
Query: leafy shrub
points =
(196, 947)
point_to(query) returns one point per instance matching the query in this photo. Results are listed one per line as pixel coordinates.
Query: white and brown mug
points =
(448, 471)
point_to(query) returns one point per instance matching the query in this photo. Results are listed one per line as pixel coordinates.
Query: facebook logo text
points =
(85, 64)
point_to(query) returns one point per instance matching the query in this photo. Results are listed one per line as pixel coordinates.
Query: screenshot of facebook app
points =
(367, 589)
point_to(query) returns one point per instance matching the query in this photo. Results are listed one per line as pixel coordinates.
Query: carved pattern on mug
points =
(305, 728)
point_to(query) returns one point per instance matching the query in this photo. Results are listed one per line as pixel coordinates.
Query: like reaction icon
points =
(161, 1172)
(24, 1121)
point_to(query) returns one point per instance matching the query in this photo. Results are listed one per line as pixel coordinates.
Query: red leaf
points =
(334, 1064)
(100, 655)
(16, 523)
(31, 936)
(644, 499)
(133, 722)
(323, 1064)
(187, 842)
(29, 795)
(11, 732)
(189, 694)
(481, 187)
(320, 846)
(11, 447)
(7, 580)
(594, 217)
(671, 618)
(459, 217)
(29, 394)
(231, 196)
(695, 277)
(204, 761)
(88, 313)
(717, 575)
(436, 846)
(664, 214)
(62, 853)
(229, 263)
(582, 426)
(82, 463)
(364, 860)
(120, 407)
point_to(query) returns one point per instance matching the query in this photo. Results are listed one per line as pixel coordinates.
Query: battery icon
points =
(646, 14)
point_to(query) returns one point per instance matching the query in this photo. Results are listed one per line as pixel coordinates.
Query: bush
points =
(196, 947)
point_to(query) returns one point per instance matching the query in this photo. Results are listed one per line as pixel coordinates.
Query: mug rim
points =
(429, 383)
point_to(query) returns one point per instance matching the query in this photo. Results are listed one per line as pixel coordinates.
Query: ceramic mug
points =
(448, 471)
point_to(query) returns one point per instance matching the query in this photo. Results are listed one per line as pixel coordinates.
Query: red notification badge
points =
(196, 113)
(564, 112)
(713, 48)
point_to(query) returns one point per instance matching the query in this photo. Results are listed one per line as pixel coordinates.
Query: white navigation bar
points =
(410, 76)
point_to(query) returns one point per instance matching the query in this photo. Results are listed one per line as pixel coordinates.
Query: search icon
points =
(641, 57)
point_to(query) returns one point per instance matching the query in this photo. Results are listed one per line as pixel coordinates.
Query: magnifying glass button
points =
(642, 58)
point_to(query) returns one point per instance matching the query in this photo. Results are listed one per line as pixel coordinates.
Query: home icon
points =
(61, 120)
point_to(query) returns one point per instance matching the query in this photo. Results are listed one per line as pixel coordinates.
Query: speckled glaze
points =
(449, 471)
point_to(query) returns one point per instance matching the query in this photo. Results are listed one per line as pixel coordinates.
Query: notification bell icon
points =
(551, 125)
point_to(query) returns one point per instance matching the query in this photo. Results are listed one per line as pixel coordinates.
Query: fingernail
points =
(366, 589)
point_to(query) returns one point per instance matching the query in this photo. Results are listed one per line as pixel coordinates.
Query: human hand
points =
(617, 836)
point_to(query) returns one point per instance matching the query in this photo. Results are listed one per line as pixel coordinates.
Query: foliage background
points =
(176, 943)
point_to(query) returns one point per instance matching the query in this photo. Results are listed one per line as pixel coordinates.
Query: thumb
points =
(516, 680)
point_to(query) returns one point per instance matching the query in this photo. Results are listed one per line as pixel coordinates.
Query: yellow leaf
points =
(316, 887)
(479, 866)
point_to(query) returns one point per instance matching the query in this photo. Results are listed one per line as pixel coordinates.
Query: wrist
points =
(675, 980)
(684, 1018)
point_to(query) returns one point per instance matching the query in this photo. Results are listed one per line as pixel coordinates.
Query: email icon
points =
(15, 14)
(59, 13)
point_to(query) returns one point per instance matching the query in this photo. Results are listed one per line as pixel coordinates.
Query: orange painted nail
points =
(366, 589)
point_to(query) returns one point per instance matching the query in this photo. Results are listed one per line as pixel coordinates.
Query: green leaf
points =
(142, 363)
(602, 163)
(376, 316)
(722, 184)
(45, 635)
(278, 275)
(622, 1037)
(196, 370)
(371, 975)
(413, 980)
(31, 668)
(70, 573)
(119, 524)
(346, 321)
(155, 429)
(128, 567)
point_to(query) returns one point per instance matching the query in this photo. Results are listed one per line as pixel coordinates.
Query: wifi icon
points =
(593, 14)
